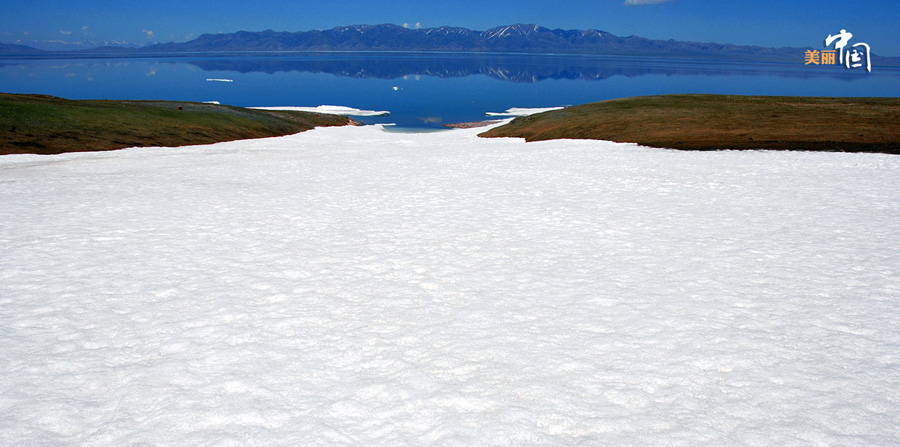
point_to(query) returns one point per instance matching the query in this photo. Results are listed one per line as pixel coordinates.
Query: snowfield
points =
(351, 286)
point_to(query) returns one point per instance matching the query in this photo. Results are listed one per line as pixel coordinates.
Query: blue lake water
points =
(427, 90)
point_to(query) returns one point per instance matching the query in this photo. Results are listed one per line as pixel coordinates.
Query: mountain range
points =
(519, 38)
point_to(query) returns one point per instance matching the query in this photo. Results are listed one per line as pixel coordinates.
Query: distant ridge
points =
(12, 49)
(519, 38)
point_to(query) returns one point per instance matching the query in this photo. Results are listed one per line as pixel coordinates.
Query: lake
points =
(424, 90)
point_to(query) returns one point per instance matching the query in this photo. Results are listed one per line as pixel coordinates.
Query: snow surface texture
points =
(349, 286)
(331, 110)
(522, 111)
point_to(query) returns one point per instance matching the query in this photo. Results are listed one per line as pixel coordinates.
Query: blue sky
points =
(760, 22)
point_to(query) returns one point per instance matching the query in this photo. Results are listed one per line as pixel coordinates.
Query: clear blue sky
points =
(760, 22)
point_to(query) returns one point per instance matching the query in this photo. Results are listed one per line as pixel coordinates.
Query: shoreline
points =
(40, 124)
(472, 124)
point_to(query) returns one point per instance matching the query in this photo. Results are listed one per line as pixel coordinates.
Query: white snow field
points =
(354, 287)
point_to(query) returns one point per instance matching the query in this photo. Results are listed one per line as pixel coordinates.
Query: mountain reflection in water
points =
(506, 67)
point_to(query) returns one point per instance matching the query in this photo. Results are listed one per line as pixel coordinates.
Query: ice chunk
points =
(331, 110)
(522, 111)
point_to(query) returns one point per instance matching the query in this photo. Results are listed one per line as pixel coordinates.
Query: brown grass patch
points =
(711, 122)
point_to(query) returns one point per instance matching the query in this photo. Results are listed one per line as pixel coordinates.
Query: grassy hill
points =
(49, 125)
(710, 122)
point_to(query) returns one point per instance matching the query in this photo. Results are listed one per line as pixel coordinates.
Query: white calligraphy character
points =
(842, 38)
(856, 57)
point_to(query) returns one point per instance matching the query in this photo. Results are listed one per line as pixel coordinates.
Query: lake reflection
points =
(427, 90)
(514, 68)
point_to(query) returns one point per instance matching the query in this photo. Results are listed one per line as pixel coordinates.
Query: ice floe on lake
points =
(523, 111)
(331, 110)
(351, 286)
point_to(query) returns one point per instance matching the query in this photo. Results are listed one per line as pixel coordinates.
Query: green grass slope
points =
(49, 125)
(710, 122)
